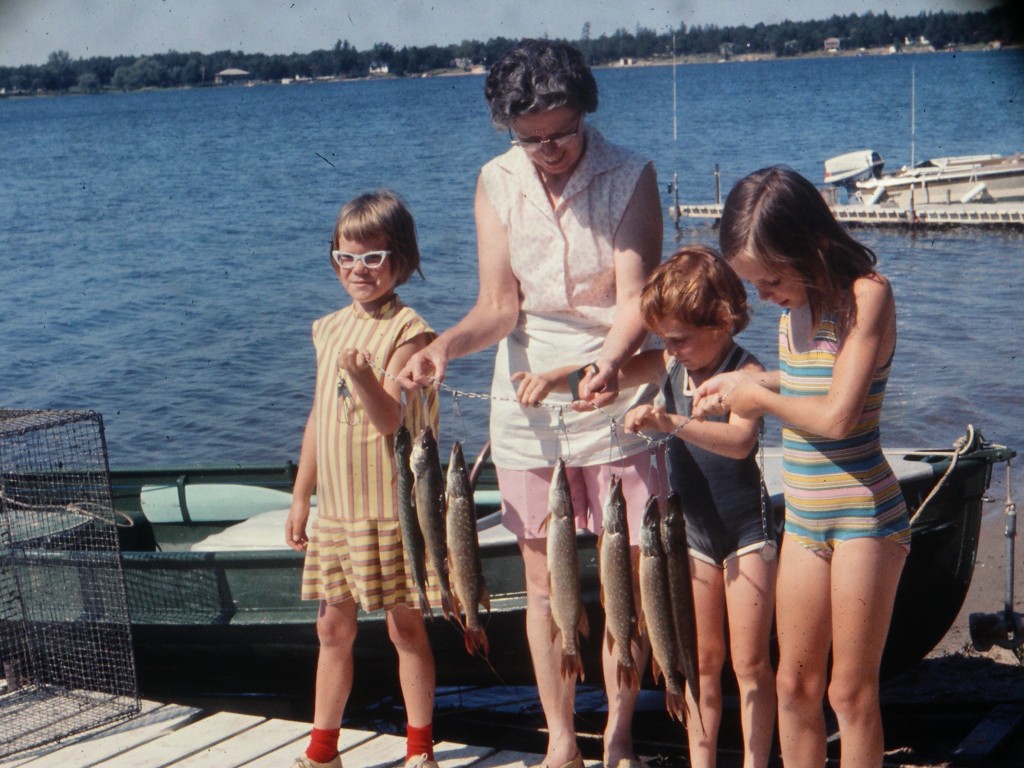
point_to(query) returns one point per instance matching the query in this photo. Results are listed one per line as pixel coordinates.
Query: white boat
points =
(963, 179)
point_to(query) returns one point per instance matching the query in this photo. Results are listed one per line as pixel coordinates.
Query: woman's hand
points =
(599, 386)
(427, 367)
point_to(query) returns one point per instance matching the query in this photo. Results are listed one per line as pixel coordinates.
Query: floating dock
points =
(985, 215)
(175, 736)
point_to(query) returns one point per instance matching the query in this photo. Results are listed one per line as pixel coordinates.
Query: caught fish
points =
(465, 568)
(412, 538)
(656, 615)
(680, 587)
(615, 568)
(567, 614)
(429, 496)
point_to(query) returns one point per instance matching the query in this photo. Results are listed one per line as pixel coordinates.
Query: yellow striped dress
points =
(355, 547)
(836, 489)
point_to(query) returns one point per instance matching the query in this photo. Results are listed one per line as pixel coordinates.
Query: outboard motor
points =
(846, 170)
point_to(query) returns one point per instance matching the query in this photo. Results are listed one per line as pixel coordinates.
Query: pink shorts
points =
(524, 494)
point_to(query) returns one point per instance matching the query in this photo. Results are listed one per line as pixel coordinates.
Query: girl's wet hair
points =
(381, 214)
(779, 218)
(538, 75)
(696, 287)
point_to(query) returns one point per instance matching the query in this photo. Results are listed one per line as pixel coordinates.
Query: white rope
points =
(960, 446)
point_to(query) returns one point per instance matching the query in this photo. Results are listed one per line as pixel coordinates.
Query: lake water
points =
(163, 254)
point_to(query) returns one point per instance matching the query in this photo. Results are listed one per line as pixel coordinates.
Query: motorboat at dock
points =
(955, 180)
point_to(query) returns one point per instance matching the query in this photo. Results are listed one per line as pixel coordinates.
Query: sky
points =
(30, 30)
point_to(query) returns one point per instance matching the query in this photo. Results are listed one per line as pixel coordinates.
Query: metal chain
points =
(614, 423)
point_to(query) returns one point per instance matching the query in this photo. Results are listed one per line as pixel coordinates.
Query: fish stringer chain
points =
(614, 423)
(770, 550)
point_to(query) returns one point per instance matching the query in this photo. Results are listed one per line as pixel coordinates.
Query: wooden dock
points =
(985, 215)
(174, 736)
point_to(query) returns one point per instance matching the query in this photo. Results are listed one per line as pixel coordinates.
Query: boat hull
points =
(208, 619)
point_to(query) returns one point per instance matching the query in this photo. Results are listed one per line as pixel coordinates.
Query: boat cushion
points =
(263, 531)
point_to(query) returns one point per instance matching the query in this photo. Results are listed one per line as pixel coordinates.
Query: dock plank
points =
(284, 755)
(264, 738)
(454, 755)
(184, 742)
(508, 760)
(92, 748)
(382, 751)
(174, 736)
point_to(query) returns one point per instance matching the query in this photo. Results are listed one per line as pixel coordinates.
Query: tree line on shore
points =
(62, 74)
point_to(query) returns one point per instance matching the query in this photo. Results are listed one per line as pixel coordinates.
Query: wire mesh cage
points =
(65, 636)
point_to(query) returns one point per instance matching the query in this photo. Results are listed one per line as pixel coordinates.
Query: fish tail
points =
(425, 605)
(446, 608)
(583, 625)
(675, 703)
(572, 666)
(476, 641)
(626, 676)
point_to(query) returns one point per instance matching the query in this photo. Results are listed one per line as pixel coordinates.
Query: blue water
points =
(163, 254)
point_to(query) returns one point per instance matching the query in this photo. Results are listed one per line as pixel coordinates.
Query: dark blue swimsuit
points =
(722, 497)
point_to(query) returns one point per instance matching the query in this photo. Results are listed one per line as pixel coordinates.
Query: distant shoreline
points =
(479, 69)
(708, 58)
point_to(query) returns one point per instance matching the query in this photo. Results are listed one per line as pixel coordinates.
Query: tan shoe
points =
(421, 761)
(576, 762)
(304, 762)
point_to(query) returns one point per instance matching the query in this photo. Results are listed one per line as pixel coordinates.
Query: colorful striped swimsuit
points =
(836, 489)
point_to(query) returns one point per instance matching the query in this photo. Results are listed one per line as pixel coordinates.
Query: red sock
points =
(323, 745)
(419, 741)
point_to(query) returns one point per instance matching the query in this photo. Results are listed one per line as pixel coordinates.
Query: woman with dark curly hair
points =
(568, 227)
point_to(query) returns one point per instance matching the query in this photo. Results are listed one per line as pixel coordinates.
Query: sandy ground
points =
(918, 704)
(987, 593)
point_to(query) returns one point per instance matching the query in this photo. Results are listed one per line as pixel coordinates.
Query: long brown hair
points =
(779, 218)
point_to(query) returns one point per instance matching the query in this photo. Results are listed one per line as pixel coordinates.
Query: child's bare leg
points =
(709, 607)
(336, 630)
(865, 575)
(557, 696)
(803, 606)
(750, 597)
(415, 663)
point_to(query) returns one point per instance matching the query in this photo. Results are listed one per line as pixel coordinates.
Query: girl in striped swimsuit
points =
(847, 531)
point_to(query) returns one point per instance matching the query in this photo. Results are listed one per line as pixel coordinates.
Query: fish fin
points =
(457, 610)
(485, 596)
(656, 670)
(609, 640)
(583, 625)
(700, 718)
(425, 605)
(572, 666)
(476, 642)
(627, 676)
(641, 625)
(675, 704)
(545, 522)
(446, 608)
